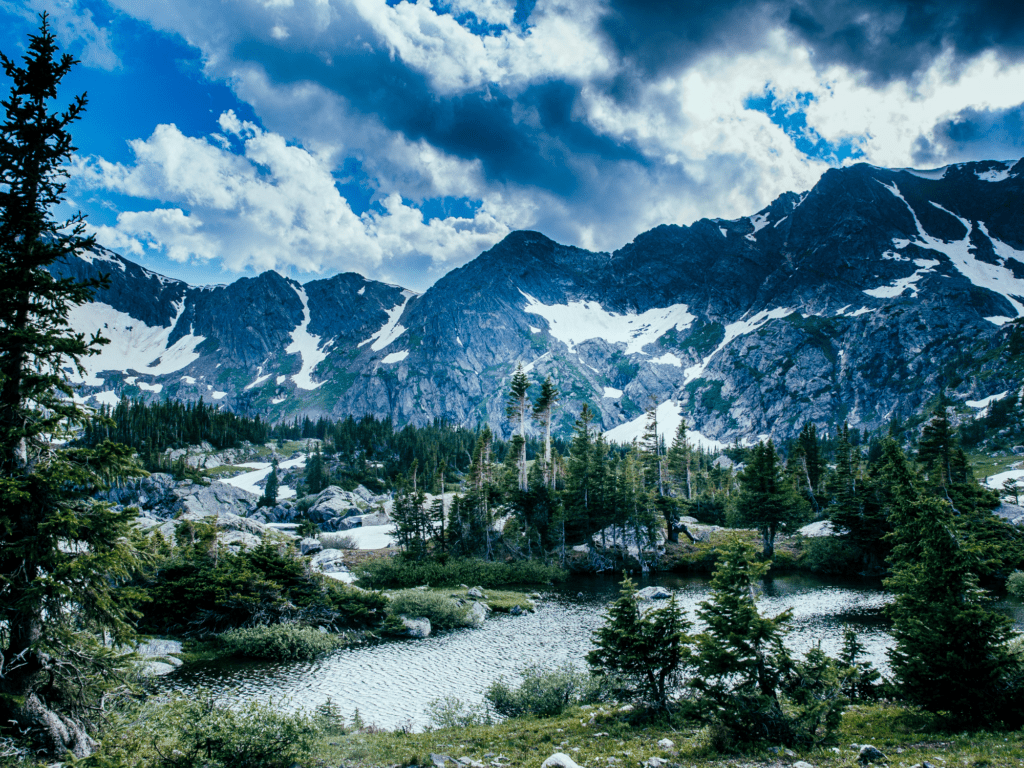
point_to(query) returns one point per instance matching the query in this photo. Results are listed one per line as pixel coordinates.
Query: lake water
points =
(392, 683)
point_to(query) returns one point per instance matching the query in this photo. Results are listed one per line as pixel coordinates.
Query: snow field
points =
(307, 346)
(248, 481)
(669, 417)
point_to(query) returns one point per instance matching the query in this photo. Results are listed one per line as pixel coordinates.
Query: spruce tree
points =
(768, 500)
(62, 555)
(270, 490)
(517, 406)
(646, 652)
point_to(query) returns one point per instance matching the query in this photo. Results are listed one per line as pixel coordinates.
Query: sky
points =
(401, 139)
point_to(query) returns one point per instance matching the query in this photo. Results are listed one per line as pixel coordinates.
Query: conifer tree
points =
(935, 448)
(517, 407)
(767, 499)
(316, 478)
(543, 409)
(270, 490)
(645, 651)
(62, 555)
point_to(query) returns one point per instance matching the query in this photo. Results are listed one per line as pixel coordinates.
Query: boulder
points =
(238, 540)
(667, 744)
(559, 760)
(1010, 512)
(333, 502)
(656, 762)
(818, 529)
(802, 764)
(654, 593)
(328, 561)
(477, 592)
(478, 613)
(870, 754)
(156, 648)
(416, 626)
(310, 546)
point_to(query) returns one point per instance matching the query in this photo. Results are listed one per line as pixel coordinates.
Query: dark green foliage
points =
(443, 611)
(201, 591)
(198, 731)
(768, 500)
(316, 478)
(280, 642)
(646, 653)
(63, 557)
(741, 661)
(815, 698)
(397, 572)
(269, 497)
(951, 654)
(864, 683)
(547, 692)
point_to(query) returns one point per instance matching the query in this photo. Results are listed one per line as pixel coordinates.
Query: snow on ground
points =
(346, 577)
(724, 232)
(984, 403)
(307, 345)
(996, 481)
(391, 330)
(579, 321)
(218, 395)
(612, 393)
(107, 398)
(668, 359)
(925, 266)
(247, 481)
(395, 357)
(188, 379)
(994, 175)
(935, 174)
(993, 277)
(669, 417)
(133, 344)
(155, 388)
(732, 331)
(91, 257)
(759, 221)
(373, 536)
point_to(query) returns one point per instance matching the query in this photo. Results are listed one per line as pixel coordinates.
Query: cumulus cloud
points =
(591, 121)
(270, 206)
(74, 27)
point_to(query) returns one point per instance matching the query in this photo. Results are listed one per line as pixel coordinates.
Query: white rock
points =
(328, 561)
(559, 760)
(802, 764)
(654, 593)
(478, 613)
(667, 744)
(655, 762)
(416, 626)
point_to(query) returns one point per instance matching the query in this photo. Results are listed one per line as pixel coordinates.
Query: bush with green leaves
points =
(443, 611)
(831, 555)
(397, 572)
(337, 540)
(200, 731)
(452, 712)
(547, 692)
(280, 642)
(1015, 584)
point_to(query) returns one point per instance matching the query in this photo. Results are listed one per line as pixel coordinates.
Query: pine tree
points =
(62, 555)
(316, 477)
(645, 651)
(517, 406)
(270, 490)
(935, 448)
(767, 499)
(741, 660)
(543, 408)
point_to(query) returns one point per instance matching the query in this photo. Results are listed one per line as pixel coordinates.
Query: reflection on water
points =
(392, 683)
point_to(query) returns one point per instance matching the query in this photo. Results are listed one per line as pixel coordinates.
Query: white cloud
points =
(73, 26)
(275, 206)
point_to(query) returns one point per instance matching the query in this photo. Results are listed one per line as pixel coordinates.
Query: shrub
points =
(280, 642)
(443, 612)
(1015, 584)
(337, 540)
(452, 712)
(397, 572)
(829, 554)
(199, 731)
(547, 692)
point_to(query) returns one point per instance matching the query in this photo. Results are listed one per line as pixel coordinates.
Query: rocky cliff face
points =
(857, 300)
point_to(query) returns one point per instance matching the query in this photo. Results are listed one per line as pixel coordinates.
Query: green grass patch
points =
(443, 611)
(396, 572)
(280, 642)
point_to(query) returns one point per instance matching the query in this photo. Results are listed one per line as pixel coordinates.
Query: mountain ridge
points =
(845, 302)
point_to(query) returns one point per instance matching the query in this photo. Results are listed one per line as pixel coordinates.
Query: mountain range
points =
(859, 300)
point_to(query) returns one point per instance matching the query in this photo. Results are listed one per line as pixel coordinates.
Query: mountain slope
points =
(858, 300)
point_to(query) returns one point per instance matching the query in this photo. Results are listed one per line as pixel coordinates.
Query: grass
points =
(905, 736)
(984, 465)
(398, 572)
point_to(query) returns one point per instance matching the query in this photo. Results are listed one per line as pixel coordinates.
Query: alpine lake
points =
(392, 683)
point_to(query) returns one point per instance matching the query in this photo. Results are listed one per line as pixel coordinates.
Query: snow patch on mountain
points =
(579, 321)
(758, 221)
(668, 359)
(984, 403)
(134, 346)
(395, 357)
(732, 331)
(994, 175)
(611, 393)
(100, 254)
(307, 345)
(935, 174)
(154, 388)
(993, 277)
(391, 330)
(898, 287)
(670, 416)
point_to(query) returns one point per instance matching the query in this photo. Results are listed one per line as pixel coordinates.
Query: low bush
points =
(547, 692)
(397, 572)
(452, 712)
(443, 612)
(337, 540)
(1015, 584)
(280, 642)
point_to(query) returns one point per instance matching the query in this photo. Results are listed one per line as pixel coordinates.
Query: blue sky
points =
(400, 139)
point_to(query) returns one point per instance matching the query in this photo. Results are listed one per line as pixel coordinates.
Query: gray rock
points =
(869, 754)
(157, 648)
(333, 502)
(667, 744)
(478, 613)
(1010, 512)
(156, 668)
(416, 626)
(439, 760)
(310, 546)
(477, 592)
(656, 762)
(802, 764)
(238, 540)
(559, 760)
(654, 593)
(516, 611)
(328, 561)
